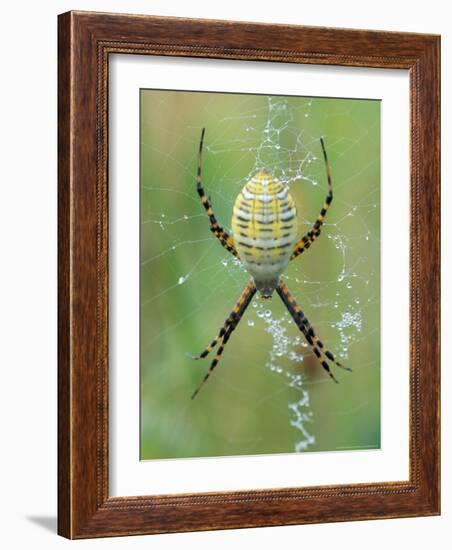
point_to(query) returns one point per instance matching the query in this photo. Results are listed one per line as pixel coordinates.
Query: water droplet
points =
(349, 285)
(250, 323)
(182, 280)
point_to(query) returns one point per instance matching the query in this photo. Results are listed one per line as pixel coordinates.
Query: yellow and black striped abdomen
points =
(264, 225)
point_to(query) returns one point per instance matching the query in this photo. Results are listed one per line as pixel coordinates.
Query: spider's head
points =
(266, 288)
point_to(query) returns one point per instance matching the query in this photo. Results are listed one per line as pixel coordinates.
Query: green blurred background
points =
(268, 393)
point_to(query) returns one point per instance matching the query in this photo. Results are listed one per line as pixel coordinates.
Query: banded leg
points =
(223, 236)
(321, 352)
(215, 341)
(314, 339)
(250, 289)
(305, 242)
(225, 333)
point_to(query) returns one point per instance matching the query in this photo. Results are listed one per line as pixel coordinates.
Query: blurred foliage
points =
(189, 283)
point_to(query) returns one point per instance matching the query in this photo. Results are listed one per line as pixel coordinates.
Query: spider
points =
(264, 239)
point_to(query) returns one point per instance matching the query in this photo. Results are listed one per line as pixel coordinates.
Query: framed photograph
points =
(248, 275)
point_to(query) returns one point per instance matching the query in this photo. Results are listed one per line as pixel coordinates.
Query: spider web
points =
(342, 303)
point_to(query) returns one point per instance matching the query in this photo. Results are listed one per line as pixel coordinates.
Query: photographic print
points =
(238, 268)
(259, 275)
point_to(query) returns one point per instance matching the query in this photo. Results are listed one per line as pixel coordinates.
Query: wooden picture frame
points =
(85, 42)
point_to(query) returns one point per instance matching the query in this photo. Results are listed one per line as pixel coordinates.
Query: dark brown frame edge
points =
(85, 41)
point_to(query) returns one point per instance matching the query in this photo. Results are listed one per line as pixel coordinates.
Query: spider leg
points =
(229, 326)
(321, 352)
(305, 242)
(217, 338)
(223, 236)
(214, 362)
(214, 342)
(229, 320)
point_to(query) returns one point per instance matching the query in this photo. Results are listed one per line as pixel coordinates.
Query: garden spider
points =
(264, 228)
